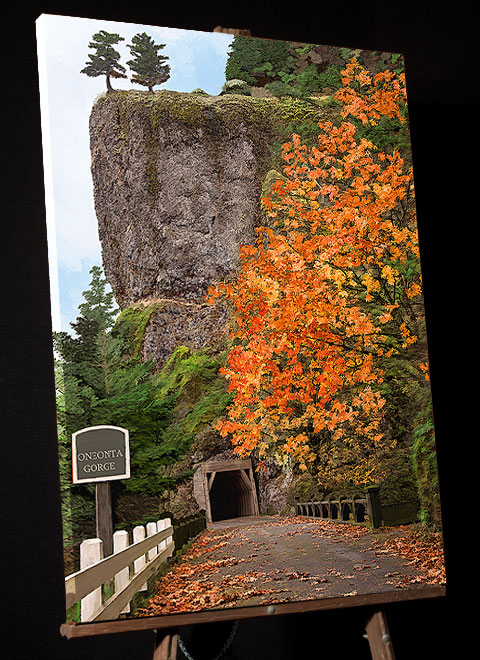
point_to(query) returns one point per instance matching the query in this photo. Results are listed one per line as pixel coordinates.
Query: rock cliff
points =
(177, 181)
(177, 185)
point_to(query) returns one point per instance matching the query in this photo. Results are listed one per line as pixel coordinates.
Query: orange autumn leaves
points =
(327, 293)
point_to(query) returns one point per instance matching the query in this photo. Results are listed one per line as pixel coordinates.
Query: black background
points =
(440, 44)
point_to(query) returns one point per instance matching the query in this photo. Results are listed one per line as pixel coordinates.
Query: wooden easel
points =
(378, 637)
(166, 643)
(376, 632)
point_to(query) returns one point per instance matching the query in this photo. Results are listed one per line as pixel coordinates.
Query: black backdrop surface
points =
(439, 41)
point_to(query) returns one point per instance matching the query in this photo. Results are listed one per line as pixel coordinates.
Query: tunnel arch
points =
(230, 490)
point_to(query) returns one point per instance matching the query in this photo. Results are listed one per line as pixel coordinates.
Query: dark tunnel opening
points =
(230, 496)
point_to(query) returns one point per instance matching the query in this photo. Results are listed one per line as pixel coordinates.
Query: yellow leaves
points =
(372, 286)
(338, 277)
(389, 274)
(425, 368)
(407, 336)
(297, 448)
(413, 290)
(367, 98)
(313, 294)
(387, 315)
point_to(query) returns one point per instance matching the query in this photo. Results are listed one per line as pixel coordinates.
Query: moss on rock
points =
(424, 459)
(133, 320)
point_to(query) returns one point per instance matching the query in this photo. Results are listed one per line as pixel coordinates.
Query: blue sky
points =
(197, 59)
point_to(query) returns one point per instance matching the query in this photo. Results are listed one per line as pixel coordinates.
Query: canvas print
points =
(242, 383)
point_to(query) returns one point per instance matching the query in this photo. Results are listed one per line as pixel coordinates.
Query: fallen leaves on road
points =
(422, 549)
(198, 581)
(187, 588)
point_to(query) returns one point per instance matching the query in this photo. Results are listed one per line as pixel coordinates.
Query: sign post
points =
(101, 454)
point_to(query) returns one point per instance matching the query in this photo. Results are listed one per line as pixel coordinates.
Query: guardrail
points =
(128, 569)
(360, 507)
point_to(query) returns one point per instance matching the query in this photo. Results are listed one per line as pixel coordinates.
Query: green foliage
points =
(303, 50)
(236, 86)
(190, 380)
(308, 81)
(388, 134)
(305, 488)
(132, 323)
(424, 461)
(150, 68)
(409, 423)
(280, 88)
(257, 61)
(345, 53)
(85, 360)
(295, 115)
(275, 65)
(193, 395)
(99, 381)
(105, 60)
(330, 78)
(306, 84)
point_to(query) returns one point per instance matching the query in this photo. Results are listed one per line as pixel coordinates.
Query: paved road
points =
(299, 559)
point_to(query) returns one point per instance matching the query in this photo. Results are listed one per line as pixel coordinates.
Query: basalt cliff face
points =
(177, 186)
(177, 182)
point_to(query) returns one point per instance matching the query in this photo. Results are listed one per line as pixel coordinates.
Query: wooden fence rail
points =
(129, 567)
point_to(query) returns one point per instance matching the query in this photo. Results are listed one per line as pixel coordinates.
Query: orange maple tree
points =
(329, 292)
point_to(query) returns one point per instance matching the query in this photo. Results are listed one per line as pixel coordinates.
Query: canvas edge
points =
(76, 630)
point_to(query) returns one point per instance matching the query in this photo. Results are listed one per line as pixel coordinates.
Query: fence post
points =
(151, 530)
(91, 552)
(373, 506)
(168, 522)
(161, 524)
(120, 542)
(138, 564)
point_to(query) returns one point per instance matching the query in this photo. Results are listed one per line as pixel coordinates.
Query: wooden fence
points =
(128, 569)
(187, 528)
(358, 507)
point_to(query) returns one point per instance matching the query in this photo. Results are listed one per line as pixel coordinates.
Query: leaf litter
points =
(194, 583)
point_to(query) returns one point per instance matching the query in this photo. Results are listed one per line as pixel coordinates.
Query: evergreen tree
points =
(105, 60)
(149, 66)
(100, 380)
(258, 61)
(82, 356)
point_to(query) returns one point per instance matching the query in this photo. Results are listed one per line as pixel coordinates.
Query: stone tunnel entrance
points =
(229, 489)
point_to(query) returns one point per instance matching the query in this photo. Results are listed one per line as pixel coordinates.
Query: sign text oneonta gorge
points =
(100, 453)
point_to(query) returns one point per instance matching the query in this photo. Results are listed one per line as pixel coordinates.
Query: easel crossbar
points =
(80, 584)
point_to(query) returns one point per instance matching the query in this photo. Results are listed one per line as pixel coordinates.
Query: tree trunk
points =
(109, 87)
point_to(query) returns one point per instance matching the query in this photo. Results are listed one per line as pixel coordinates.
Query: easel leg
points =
(166, 642)
(379, 638)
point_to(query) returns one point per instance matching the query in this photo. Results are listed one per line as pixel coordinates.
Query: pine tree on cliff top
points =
(150, 68)
(104, 62)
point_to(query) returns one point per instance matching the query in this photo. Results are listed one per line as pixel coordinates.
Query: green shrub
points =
(236, 86)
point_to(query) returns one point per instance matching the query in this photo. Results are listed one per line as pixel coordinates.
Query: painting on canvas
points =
(242, 383)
